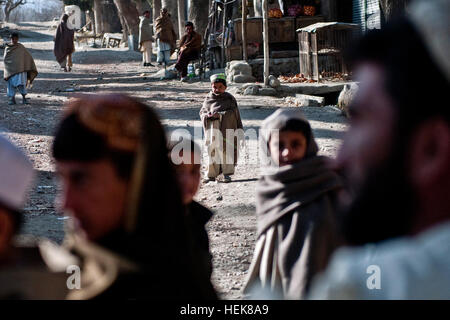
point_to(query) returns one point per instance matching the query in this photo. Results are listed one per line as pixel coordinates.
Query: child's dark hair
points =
(15, 35)
(296, 125)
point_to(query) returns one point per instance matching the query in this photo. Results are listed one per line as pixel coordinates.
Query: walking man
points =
(64, 46)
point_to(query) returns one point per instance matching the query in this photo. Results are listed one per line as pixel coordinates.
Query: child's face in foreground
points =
(14, 40)
(289, 148)
(188, 175)
(218, 87)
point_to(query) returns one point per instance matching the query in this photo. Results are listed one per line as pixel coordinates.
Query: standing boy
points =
(220, 114)
(20, 69)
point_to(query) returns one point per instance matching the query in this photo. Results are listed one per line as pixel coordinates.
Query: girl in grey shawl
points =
(223, 129)
(296, 205)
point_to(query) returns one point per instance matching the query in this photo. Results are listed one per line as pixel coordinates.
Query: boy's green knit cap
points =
(219, 77)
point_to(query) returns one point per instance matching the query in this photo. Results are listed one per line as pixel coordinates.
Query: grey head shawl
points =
(283, 190)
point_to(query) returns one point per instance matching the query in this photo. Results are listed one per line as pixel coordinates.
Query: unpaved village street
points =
(232, 230)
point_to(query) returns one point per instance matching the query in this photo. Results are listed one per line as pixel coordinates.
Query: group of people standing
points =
(188, 49)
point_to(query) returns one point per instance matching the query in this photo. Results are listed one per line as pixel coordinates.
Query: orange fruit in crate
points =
(275, 13)
(309, 10)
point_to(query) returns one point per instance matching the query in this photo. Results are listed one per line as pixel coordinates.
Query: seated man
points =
(190, 45)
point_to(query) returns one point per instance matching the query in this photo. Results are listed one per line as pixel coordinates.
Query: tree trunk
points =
(172, 7)
(156, 8)
(130, 18)
(181, 16)
(98, 17)
(244, 30)
(110, 18)
(198, 14)
(392, 8)
(266, 41)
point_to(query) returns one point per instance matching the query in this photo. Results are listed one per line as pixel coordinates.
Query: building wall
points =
(367, 14)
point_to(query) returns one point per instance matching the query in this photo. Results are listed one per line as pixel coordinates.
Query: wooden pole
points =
(244, 30)
(224, 20)
(266, 42)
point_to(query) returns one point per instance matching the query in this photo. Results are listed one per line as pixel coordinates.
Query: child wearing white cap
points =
(223, 129)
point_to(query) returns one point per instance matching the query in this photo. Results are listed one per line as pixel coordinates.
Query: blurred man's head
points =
(396, 153)
(94, 148)
(16, 174)
(65, 17)
(147, 14)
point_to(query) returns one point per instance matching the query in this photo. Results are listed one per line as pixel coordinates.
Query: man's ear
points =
(6, 230)
(430, 153)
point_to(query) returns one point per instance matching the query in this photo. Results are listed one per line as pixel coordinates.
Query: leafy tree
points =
(10, 5)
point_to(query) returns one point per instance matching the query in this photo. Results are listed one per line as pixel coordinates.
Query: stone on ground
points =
(305, 100)
(239, 72)
(346, 96)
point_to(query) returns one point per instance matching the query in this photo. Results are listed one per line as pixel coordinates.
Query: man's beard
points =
(383, 208)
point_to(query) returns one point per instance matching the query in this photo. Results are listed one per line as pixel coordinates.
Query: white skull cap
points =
(431, 19)
(16, 175)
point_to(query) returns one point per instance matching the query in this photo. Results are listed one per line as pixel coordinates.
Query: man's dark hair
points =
(65, 17)
(15, 35)
(189, 24)
(146, 11)
(399, 48)
(74, 142)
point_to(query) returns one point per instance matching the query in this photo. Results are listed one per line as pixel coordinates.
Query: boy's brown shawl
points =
(226, 105)
(18, 59)
(63, 42)
(297, 225)
(192, 42)
(165, 32)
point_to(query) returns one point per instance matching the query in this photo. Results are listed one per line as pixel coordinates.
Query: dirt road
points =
(232, 229)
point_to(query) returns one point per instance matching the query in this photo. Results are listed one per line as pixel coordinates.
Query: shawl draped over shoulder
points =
(63, 42)
(165, 31)
(297, 225)
(18, 59)
(191, 42)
